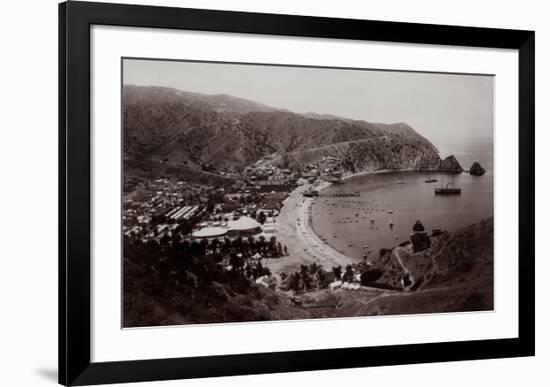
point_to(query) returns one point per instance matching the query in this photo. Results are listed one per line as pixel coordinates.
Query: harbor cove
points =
(391, 202)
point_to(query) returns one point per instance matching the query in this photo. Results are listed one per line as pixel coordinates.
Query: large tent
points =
(244, 226)
(210, 232)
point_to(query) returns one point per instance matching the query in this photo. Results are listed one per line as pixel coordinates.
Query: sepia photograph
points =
(263, 192)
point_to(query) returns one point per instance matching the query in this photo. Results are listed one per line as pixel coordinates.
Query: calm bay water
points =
(345, 222)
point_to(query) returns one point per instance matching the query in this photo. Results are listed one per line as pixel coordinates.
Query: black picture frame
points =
(75, 20)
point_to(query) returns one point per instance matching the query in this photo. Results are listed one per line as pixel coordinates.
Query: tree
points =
(261, 217)
(337, 270)
(348, 275)
(370, 276)
(236, 261)
(261, 244)
(238, 242)
(294, 282)
(321, 279)
(165, 239)
(313, 268)
(304, 276)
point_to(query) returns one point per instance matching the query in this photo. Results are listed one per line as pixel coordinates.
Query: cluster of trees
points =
(219, 249)
(182, 281)
(314, 276)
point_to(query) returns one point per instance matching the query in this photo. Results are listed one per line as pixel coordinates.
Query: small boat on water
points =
(390, 212)
(430, 179)
(390, 223)
(448, 189)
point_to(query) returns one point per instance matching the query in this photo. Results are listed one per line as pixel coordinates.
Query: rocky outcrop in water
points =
(476, 169)
(450, 164)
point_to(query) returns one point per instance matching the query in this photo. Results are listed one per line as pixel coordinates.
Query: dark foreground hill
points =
(224, 133)
(176, 284)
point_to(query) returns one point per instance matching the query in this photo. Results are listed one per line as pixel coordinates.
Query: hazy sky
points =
(445, 108)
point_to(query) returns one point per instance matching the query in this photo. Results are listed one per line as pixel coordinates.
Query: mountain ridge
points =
(228, 133)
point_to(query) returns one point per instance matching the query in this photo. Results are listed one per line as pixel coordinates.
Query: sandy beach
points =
(295, 231)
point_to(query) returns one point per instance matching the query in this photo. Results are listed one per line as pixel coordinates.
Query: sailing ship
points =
(449, 189)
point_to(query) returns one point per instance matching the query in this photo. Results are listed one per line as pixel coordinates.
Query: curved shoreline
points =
(304, 245)
(295, 230)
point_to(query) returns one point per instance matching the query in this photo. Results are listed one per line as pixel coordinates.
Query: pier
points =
(339, 194)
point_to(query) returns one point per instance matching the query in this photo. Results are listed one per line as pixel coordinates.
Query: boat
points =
(430, 179)
(449, 189)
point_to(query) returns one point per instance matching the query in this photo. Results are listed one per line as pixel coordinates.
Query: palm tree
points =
(313, 268)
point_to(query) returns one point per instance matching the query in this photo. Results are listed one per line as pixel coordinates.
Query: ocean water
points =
(350, 223)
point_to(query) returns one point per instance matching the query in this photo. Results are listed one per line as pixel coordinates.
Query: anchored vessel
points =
(449, 189)
(430, 179)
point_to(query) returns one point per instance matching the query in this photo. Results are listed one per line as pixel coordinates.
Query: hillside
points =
(176, 284)
(227, 133)
(454, 274)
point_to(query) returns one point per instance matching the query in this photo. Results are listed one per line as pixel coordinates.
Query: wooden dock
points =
(336, 194)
